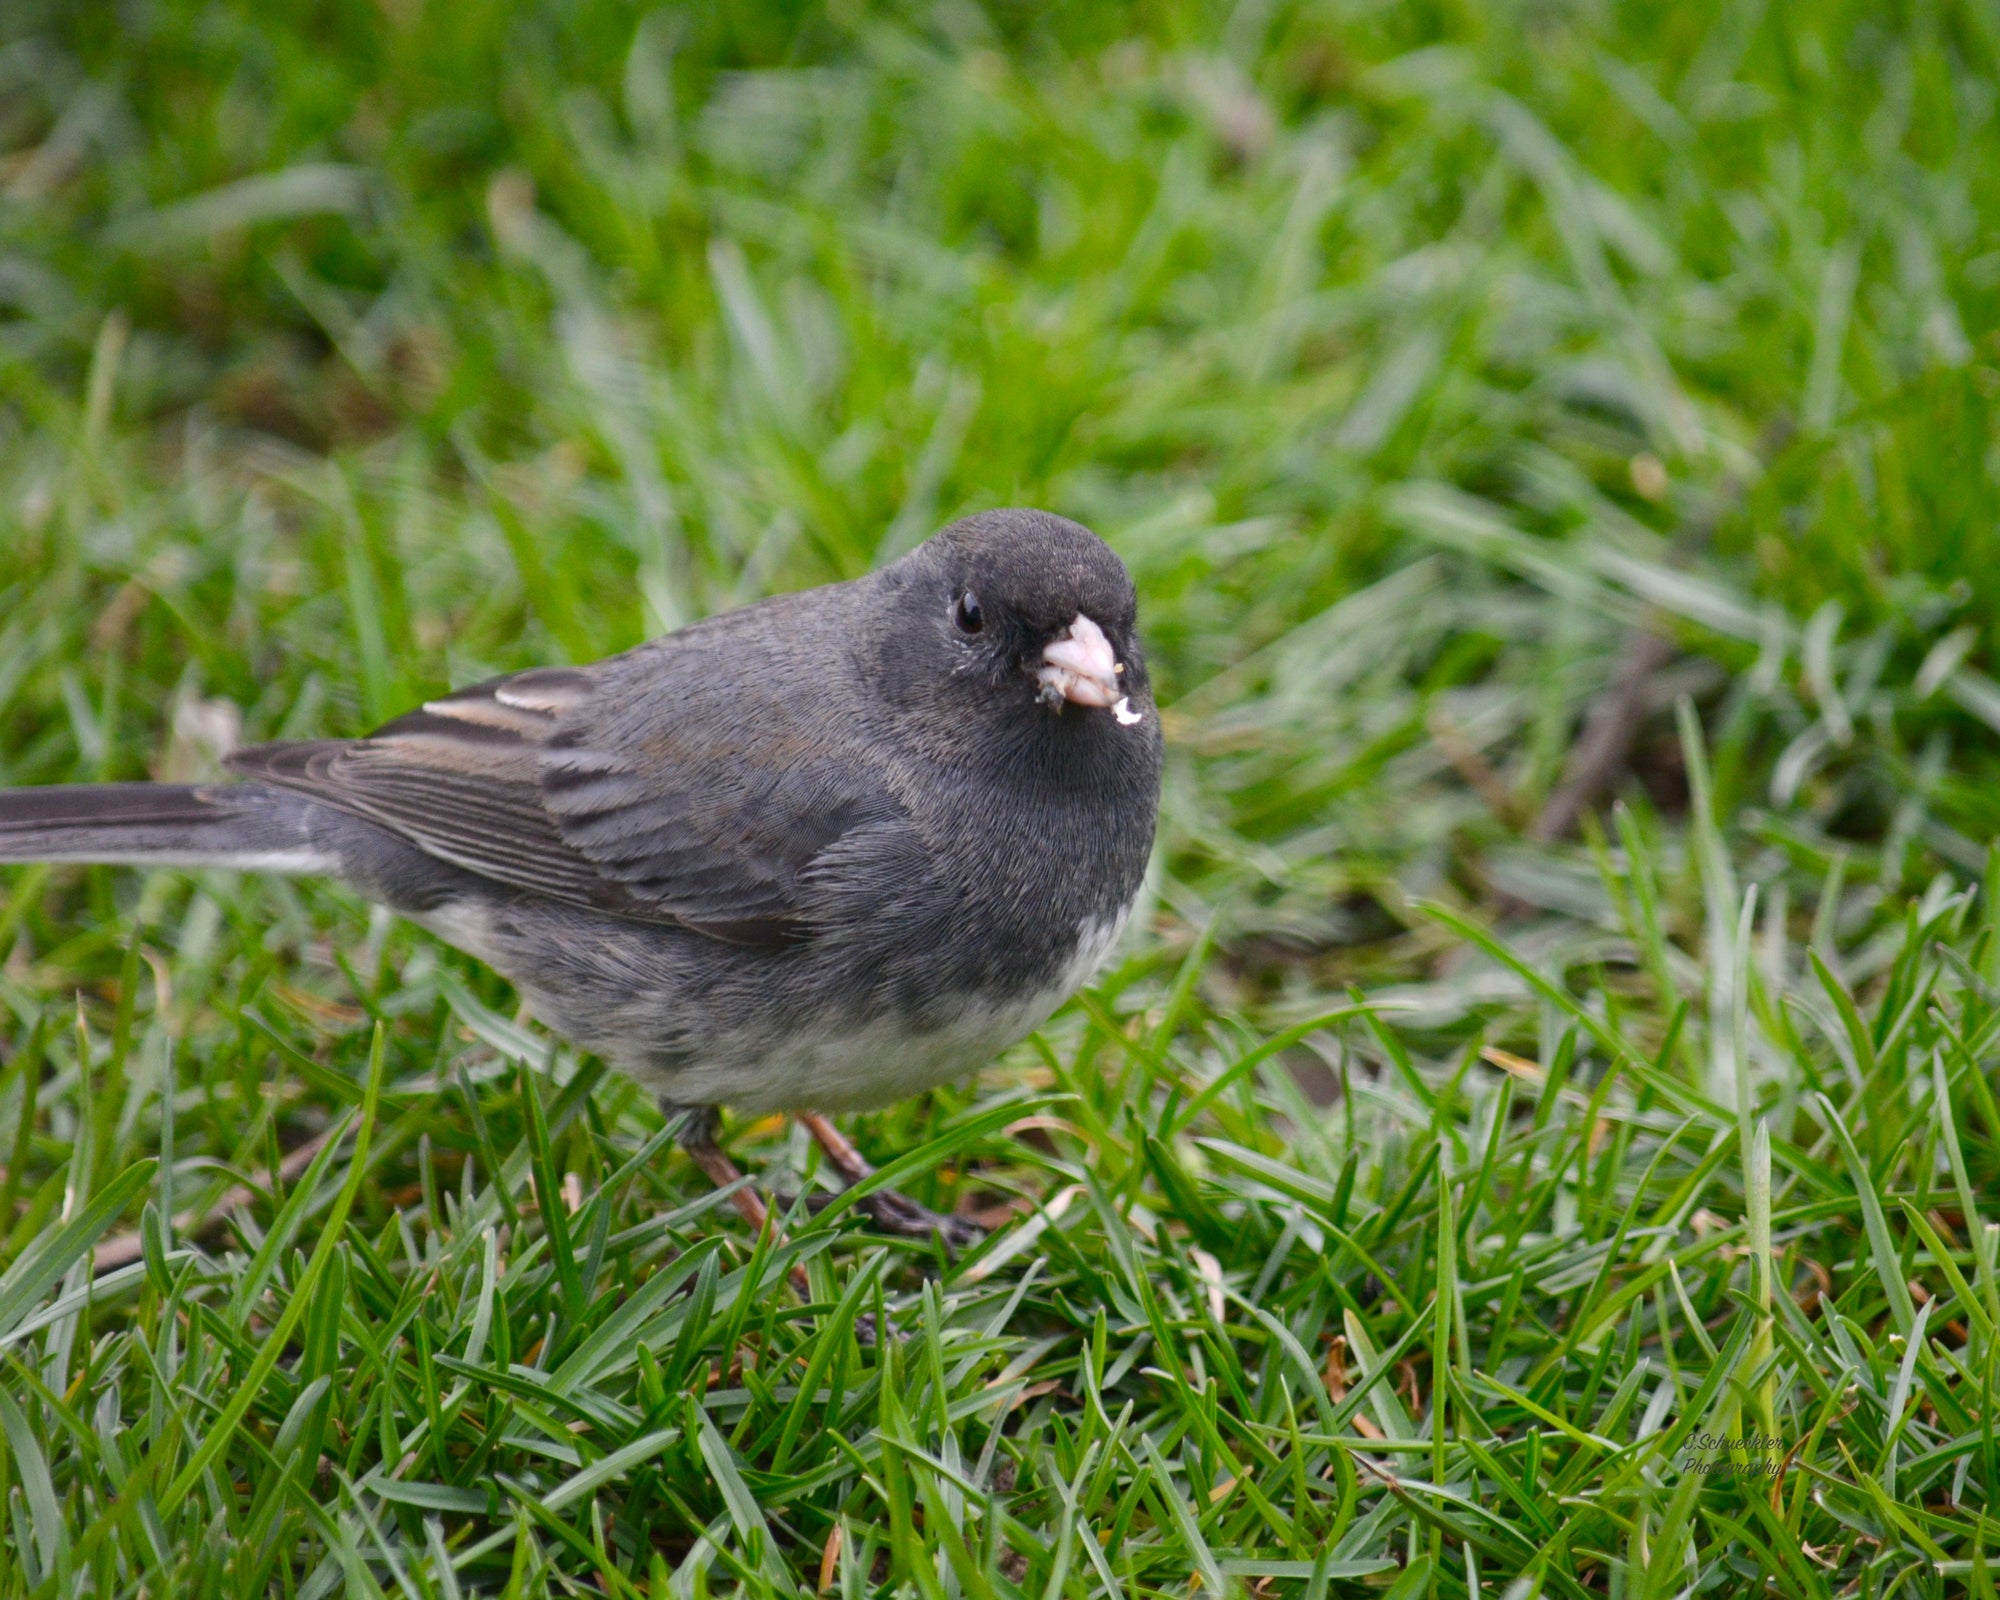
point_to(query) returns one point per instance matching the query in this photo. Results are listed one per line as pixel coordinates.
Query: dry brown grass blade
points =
(122, 1249)
(1612, 723)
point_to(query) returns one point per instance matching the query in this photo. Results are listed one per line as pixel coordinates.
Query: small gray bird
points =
(817, 854)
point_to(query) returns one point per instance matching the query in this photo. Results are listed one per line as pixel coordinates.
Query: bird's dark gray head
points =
(1035, 573)
(1013, 641)
(1029, 616)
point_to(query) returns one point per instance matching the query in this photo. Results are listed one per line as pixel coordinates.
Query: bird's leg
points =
(841, 1155)
(697, 1138)
(891, 1212)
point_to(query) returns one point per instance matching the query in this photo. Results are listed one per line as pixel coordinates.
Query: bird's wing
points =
(637, 786)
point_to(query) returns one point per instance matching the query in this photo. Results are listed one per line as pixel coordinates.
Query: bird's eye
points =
(966, 614)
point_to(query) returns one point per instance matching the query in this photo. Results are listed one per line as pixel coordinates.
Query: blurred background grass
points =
(1411, 355)
(353, 351)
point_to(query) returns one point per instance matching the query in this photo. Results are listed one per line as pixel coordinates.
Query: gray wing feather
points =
(579, 785)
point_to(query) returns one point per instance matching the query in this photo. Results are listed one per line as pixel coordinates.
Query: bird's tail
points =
(160, 824)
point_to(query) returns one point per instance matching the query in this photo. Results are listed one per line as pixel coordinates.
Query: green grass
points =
(1393, 1220)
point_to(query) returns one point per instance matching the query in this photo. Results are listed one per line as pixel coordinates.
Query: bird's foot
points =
(891, 1212)
(904, 1218)
(898, 1214)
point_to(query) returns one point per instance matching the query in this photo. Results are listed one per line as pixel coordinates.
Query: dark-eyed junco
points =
(816, 854)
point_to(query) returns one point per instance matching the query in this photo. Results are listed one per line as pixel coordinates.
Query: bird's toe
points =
(898, 1214)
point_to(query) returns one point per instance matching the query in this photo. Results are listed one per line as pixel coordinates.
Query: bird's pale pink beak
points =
(1080, 666)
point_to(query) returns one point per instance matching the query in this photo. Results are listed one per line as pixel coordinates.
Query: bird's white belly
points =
(855, 1068)
(841, 1069)
(881, 1061)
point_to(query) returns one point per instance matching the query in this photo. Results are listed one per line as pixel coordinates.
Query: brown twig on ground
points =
(1471, 764)
(121, 1250)
(1610, 728)
(1611, 725)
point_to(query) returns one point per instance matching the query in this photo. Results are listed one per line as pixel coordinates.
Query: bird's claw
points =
(902, 1217)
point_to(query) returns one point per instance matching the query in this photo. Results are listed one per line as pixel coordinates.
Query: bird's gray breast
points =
(781, 1031)
(885, 1053)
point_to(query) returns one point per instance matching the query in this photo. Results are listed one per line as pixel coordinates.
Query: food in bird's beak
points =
(1080, 666)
